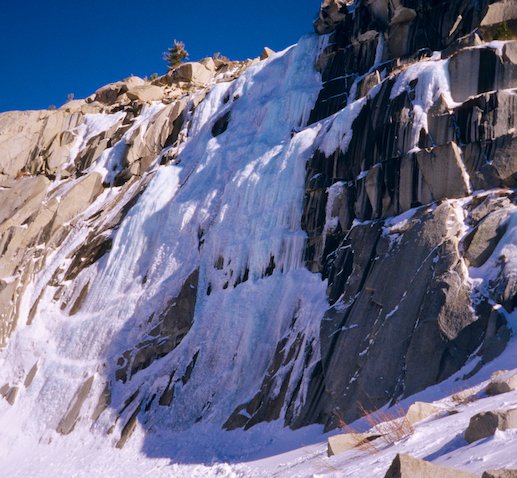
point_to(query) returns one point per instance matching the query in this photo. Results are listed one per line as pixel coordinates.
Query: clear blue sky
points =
(50, 48)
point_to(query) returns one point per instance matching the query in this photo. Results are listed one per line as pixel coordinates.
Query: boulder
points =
(485, 424)
(133, 81)
(81, 106)
(502, 473)
(406, 466)
(108, 94)
(145, 93)
(193, 72)
(502, 383)
(419, 411)
(209, 63)
(92, 108)
(490, 204)
(84, 107)
(266, 53)
(340, 443)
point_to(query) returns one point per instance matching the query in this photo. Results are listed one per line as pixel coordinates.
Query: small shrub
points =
(502, 32)
(70, 97)
(387, 427)
(22, 173)
(153, 76)
(391, 424)
(366, 445)
(219, 57)
(51, 107)
(175, 55)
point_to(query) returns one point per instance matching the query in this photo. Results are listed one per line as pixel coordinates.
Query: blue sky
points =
(55, 47)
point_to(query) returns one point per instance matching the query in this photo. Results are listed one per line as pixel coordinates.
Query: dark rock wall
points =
(404, 314)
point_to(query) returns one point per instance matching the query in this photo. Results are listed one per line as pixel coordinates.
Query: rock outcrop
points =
(36, 142)
(406, 466)
(503, 382)
(347, 441)
(485, 424)
(419, 411)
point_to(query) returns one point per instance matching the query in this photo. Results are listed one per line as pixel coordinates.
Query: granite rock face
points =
(38, 147)
(405, 333)
(68, 178)
(426, 129)
(35, 142)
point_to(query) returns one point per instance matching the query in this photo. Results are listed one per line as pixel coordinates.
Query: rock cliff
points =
(421, 115)
(330, 229)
